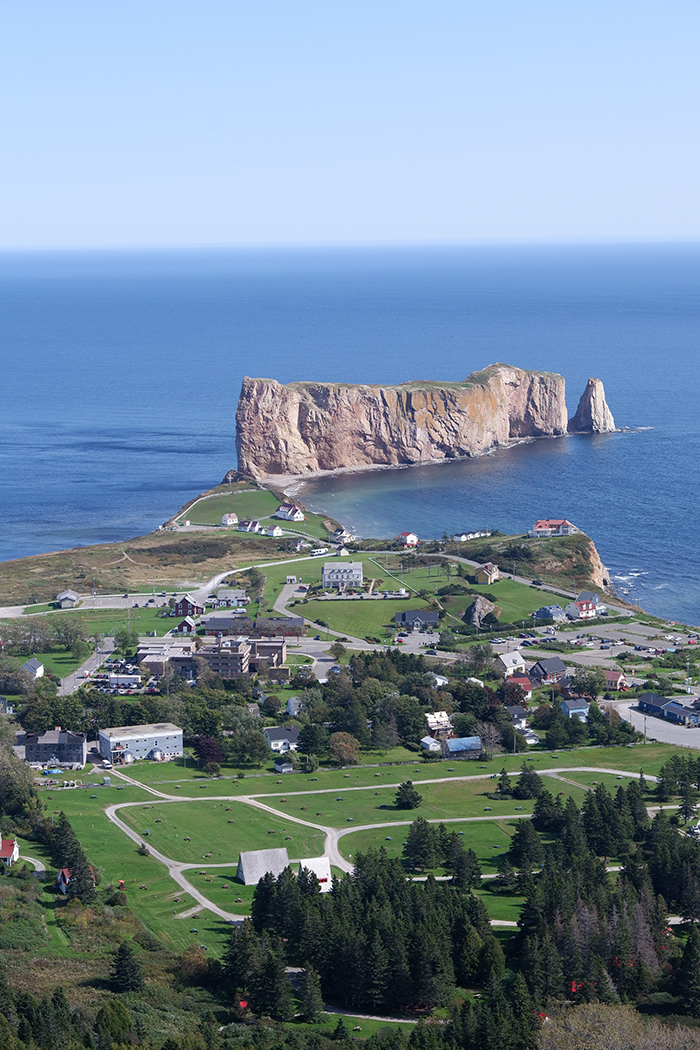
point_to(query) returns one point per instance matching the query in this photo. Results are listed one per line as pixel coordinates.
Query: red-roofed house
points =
(487, 573)
(553, 527)
(9, 851)
(524, 683)
(408, 539)
(63, 878)
(615, 680)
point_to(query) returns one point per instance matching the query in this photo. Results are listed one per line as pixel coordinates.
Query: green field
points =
(250, 503)
(219, 829)
(489, 839)
(360, 618)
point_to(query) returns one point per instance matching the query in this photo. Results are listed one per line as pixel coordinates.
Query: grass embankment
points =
(248, 502)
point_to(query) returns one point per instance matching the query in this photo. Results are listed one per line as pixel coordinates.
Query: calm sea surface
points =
(120, 373)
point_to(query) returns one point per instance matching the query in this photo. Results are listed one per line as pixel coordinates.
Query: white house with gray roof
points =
(321, 868)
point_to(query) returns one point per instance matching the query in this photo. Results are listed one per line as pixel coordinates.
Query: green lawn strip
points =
(251, 504)
(500, 906)
(367, 1027)
(221, 886)
(489, 839)
(220, 828)
(59, 663)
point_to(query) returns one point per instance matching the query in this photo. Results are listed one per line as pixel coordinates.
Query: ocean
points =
(120, 374)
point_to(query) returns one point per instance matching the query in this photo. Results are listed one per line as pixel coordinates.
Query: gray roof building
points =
(254, 864)
(60, 746)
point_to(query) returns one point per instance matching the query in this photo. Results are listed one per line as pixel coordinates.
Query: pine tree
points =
(311, 997)
(126, 970)
(688, 979)
(340, 1032)
(82, 884)
(407, 797)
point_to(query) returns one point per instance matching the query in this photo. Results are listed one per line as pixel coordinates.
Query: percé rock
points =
(302, 428)
(592, 415)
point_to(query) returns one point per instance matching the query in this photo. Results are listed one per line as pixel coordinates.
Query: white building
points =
(33, 667)
(229, 519)
(121, 744)
(552, 527)
(321, 868)
(67, 599)
(509, 663)
(408, 539)
(430, 744)
(282, 738)
(290, 512)
(274, 530)
(342, 574)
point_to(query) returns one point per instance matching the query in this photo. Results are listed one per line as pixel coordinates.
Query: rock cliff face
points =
(308, 427)
(592, 415)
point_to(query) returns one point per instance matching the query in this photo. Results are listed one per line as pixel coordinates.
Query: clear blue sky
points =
(219, 122)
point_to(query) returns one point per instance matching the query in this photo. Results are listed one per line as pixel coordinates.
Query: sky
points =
(227, 123)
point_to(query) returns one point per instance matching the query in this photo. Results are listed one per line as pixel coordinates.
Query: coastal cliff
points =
(592, 415)
(304, 428)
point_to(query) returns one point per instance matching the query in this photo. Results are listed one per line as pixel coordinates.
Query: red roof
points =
(550, 523)
(524, 683)
(7, 848)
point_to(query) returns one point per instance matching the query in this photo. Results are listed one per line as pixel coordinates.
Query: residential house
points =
(295, 704)
(518, 716)
(552, 527)
(292, 579)
(554, 613)
(9, 852)
(282, 738)
(614, 680)
(439, 724)
(524, 683)
(67, 599)
(188, 606)
(186, 626)
(58, 747)
(509, 663)
(591, 596)
(321, 868)
(463, 537)
(290, 512)
(431, 745)
(249, 525)
(7, 707)
(274, 530)
(439, 680)
(231, 598)
(462, 747)
(34, 668)
(253, 710)
(548, 671)
(488, 573)
(283, 765)
(408, 539)
(581, 610)
(63, 878)
(253, 865)
(156, 740)
(228, 520)
(342, 574)
(575, 708)
(415, 619)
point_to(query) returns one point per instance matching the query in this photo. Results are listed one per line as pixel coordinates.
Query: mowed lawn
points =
(359, 617)
(250, 504)
(489, 839)
(218, 831)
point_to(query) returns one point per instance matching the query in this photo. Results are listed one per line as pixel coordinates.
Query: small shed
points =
(67, 599)
(463, 747)
(430, 744)
(282, 765)
(254, 864)
(321, 868)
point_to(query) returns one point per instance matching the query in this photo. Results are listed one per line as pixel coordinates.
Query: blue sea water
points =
(120, 373)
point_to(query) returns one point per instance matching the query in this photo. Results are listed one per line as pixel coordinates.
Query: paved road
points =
(39, 866)
(79, 676)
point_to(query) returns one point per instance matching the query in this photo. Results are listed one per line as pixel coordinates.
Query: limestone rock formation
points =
(480, 608)
(592, 415)
(314, 427)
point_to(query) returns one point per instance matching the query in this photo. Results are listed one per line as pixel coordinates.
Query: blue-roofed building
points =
(555, 613)
(672, 710)
(463, 747)
(575, 709)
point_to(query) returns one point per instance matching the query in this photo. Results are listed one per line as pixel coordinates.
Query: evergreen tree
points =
(421, 845)
(529, 783)
(525, 846)
(407, 797)
(82, 884)
(340, 1032)
(270, 990)
(688, 979)
(311, 997)
(126, 970)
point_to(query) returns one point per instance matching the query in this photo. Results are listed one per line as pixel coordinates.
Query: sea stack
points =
(305, 428)
(592, 415)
